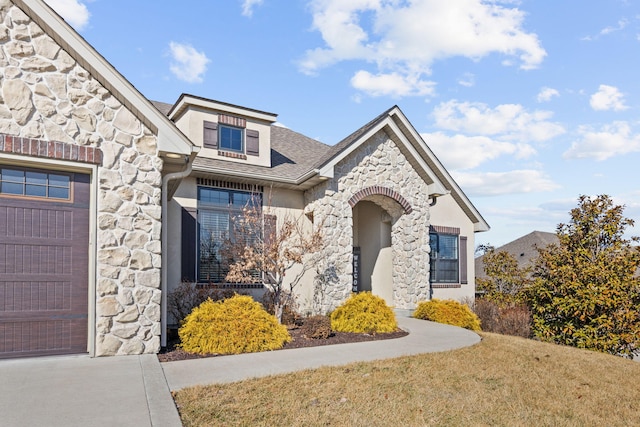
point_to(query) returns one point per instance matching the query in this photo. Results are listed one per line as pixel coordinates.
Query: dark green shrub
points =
(449, 312)
(364, 313)
(317, 327)
(236, 325)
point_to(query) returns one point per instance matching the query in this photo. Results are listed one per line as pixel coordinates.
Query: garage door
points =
(44, 240)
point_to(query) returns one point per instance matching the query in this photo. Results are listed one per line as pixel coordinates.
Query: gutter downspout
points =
(165, 253)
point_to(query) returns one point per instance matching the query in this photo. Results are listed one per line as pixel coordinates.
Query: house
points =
(107, 199)
(524, 250)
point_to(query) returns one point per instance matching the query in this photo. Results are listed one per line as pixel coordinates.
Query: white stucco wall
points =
(191, 123)
(448, 213)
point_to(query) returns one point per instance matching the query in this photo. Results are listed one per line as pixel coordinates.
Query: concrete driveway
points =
(74, 391)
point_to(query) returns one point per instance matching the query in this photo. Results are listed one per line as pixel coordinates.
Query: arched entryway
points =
(375, 211)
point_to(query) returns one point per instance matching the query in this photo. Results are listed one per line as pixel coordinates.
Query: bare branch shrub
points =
(183, 299)
(263, 251)
(510, 319)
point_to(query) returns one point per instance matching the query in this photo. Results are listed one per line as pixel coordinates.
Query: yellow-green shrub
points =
(236, 325)
(448, 311)
(364, 313)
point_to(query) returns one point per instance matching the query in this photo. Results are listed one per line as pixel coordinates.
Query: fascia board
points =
(213, 105)
(169, 138)
(480, 224)
(247, 175)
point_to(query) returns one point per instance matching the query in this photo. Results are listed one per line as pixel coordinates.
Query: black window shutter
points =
(210, 135)
(189, 244)
(270, 224)
(253, 142)
(463, 260)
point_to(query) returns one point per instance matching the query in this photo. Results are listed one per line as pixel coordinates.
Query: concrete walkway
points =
(134, 390)
(424, 337)
(79, 391)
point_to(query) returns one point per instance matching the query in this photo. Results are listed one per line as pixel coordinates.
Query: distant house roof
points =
(523, 249)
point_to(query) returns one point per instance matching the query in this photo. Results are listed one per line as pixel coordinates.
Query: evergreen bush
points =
(364, 313)
(449, 312)
(236, 325)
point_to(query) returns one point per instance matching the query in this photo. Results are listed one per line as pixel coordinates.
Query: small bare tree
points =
(263, 251)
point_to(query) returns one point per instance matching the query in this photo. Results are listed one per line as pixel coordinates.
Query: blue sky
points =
(529, 104)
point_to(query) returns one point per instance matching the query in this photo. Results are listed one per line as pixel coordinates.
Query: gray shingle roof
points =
(346, 142)
(163, 107)
(293, 155)
(523, 249)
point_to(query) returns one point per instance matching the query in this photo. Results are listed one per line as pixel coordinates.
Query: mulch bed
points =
(298, 340)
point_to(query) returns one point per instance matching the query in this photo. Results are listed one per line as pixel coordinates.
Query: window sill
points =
(232, 155)
(229, 285)
(445, 285)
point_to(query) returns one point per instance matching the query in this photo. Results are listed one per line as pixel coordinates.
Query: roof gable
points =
(170, 139)
(395, 124)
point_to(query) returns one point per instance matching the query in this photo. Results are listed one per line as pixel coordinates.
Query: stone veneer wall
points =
(378, 162)
(47, 95)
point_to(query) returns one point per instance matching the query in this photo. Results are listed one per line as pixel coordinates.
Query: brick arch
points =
(384, 191)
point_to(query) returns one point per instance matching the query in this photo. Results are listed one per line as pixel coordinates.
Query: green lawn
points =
(503, 381)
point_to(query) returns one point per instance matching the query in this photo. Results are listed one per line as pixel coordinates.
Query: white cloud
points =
(73, 11)
(467, 152)
(546, 93)
(621, 25)
(188, 64)
(392, 84)
(249, 5)
(501, 183)
(405, 38)
(608, 30)
(607, 98)
(509, 121)
(467, 80)
(611, 140)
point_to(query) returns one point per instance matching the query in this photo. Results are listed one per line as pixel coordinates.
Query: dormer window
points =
(231, 137)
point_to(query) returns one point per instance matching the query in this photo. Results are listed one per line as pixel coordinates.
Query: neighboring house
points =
(108, 202)
(524, 250)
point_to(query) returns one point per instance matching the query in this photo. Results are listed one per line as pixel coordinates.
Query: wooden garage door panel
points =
(45, 337)
(37, 222)
(35, 296)
(44, 274)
